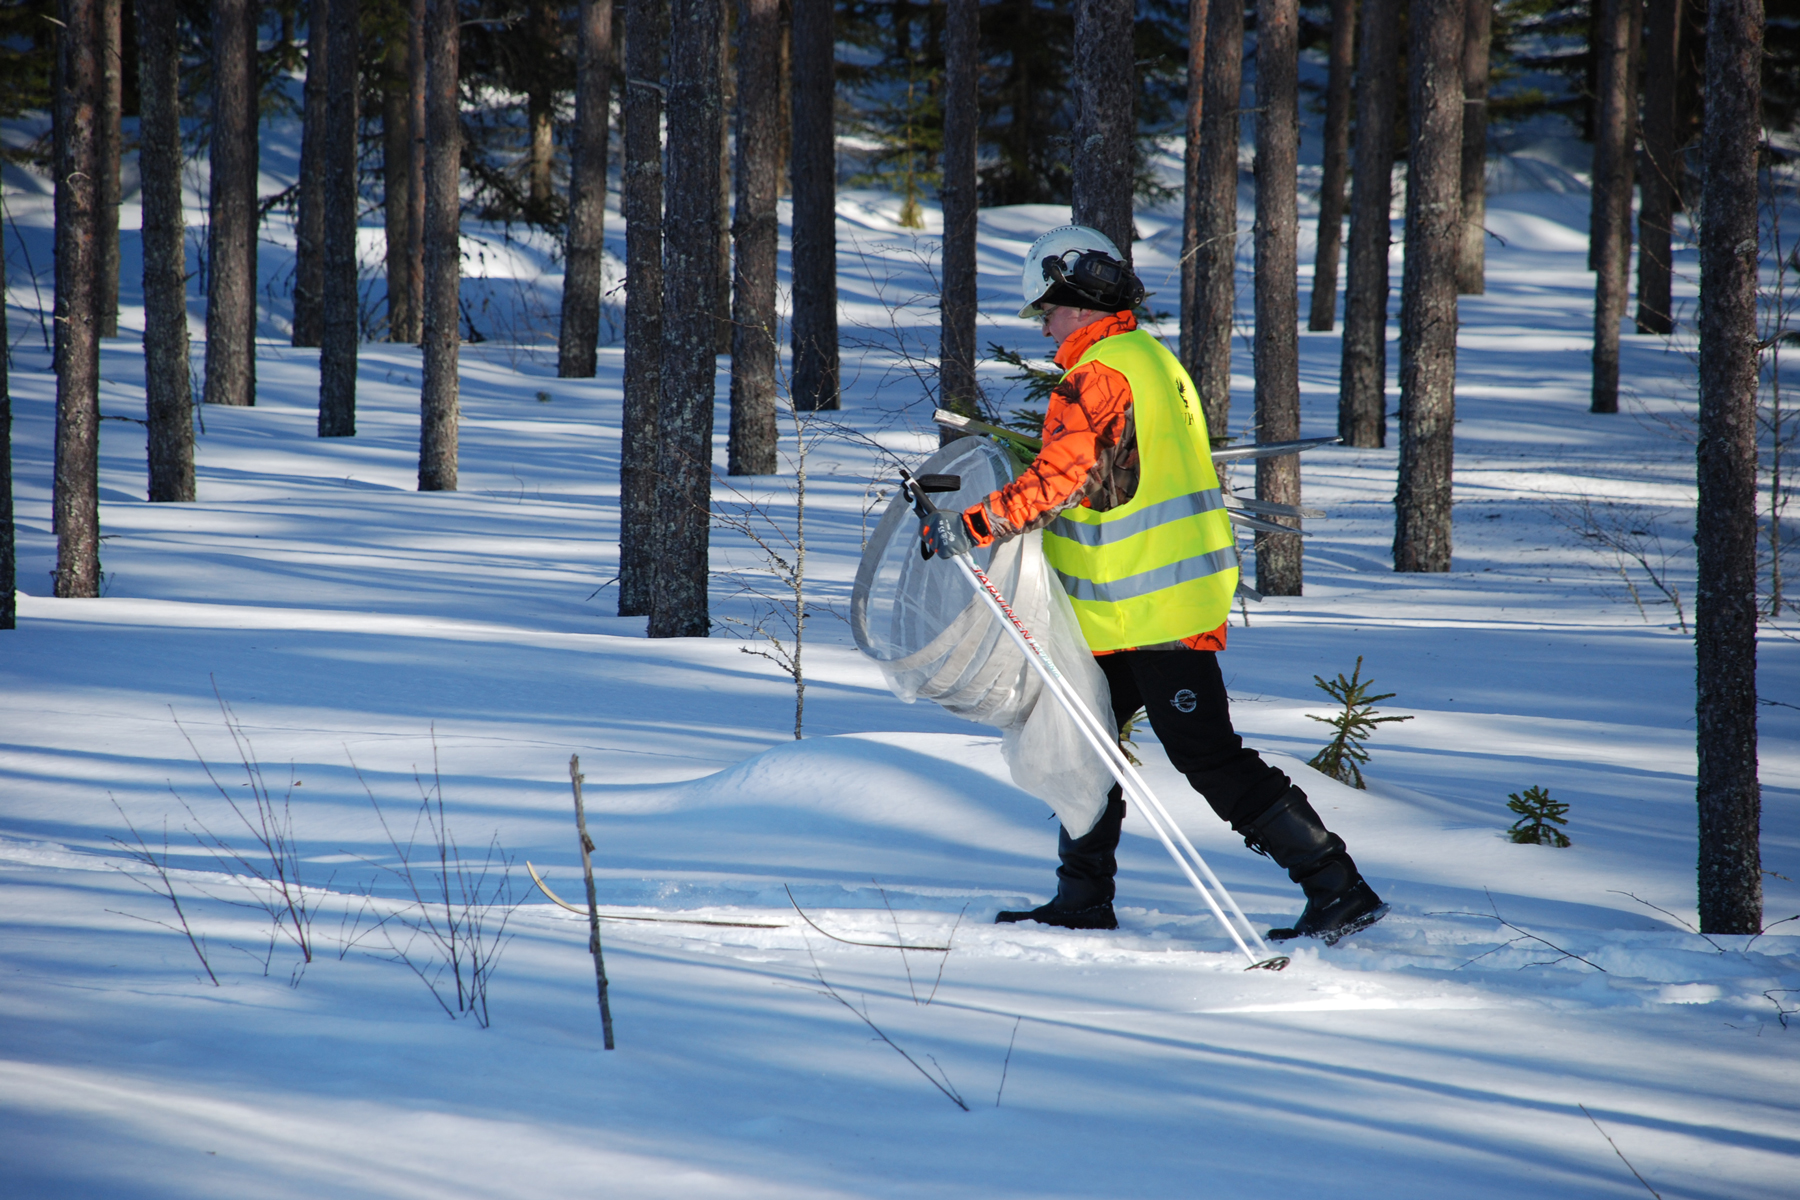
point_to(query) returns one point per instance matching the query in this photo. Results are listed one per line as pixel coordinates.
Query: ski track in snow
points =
(365, 634)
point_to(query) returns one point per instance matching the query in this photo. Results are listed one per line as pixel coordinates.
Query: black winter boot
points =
(1084, 880)
(1338, 900)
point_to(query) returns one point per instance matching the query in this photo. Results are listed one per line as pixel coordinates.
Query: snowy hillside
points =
(1520, 1007)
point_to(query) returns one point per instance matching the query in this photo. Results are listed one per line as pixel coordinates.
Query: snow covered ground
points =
(1520, 1007)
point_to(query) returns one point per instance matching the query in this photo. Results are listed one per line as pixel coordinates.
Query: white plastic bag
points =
(933, 637)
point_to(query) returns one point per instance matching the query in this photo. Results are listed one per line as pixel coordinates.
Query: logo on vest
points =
(1185, 701)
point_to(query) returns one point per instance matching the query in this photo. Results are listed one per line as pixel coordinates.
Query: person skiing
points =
(1135, 528)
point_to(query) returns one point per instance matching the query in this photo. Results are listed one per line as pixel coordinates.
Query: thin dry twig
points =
(848, 942)
(1008, 1063)
(944, 1085)
(1524, 935)
(1665, 912)
(1619, 1152)
(160, 867)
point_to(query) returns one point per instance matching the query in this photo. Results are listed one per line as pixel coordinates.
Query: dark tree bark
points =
(1362, 379)
(337, 353)
(1471, 259)
(309, 226)
(1728, 793)
(168, 395)
(9, 565)
(1428, 288)
(1104, 78)
(231, 204)
(111, 150)
(1193, 185)
(1209, 304)
(1323, 316)
(1276, 344)
(646, 49)
(727, 102)
(814, 172)
(396, 186)
(690, 271)
(584, 254)
(415, 191)
(1612, 194)
(442, 342)
(757, 230)
(75, 502)
(540, 113)
(957, 389)
(1656, 216)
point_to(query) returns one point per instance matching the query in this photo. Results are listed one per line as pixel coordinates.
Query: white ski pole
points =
(1107, 747)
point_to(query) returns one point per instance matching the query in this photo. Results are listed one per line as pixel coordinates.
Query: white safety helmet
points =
(1066, 243)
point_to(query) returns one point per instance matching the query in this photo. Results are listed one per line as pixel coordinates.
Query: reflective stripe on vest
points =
(1162, 566)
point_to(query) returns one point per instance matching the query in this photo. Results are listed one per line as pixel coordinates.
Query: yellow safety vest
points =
(1163, 566)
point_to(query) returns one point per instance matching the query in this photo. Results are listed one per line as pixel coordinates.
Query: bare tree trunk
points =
(814, 172)
(442, 341)
(584, 255)
(1276, 345)
(1192, 185)
(641, 201)
(727, 99)
(415, 191)
(1422, 533)
(396, 185)
(690, 272)
(337, 353)
(1612, 195)
(758, 231)
(1104, 79)
(957, 389)
(1471, 259)
(231, 232)
(75, 502)
(9, 564)
(540, 114)
(111, 150)
(1656, 218)
(168, 394)
(1323, 316)
(309, 227)
(1728, 792)
(1362, 379)
(1207, 321)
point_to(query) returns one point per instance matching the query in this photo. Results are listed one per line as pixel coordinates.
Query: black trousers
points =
(1183, 694)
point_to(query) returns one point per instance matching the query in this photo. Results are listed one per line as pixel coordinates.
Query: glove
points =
(945, 534)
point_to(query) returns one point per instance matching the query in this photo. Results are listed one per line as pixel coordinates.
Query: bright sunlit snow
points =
(1519, 1007)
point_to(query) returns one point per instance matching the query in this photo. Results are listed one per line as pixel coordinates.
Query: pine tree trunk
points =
(415, 191)
(75, 501)
(168, 394)
(1192, 184)
(9, 563)
(1323, 317)
(1422, 532)
(309, 226)
(814, 171)
(540, 116)
(1207, 321)
(690, 273)
(1276, 344)
(584, 255)
(396, 185)
(1362, 379)
(957, 389)
(337, 352)
(640, 201)
(1728, 792)
(727, 101)
(231, 204)
(1471, 260)
(111, 149)
(1612, 195)
(758, 231)
(441, 338)
(1103, 76)
(1656, 218)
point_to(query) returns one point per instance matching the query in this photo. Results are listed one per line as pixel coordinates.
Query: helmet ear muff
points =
(1097, 280)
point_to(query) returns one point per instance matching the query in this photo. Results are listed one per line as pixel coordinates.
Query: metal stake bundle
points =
(1106, 745)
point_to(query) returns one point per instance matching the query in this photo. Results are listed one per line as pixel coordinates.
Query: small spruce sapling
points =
(1535, 808)
(1341, 758)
